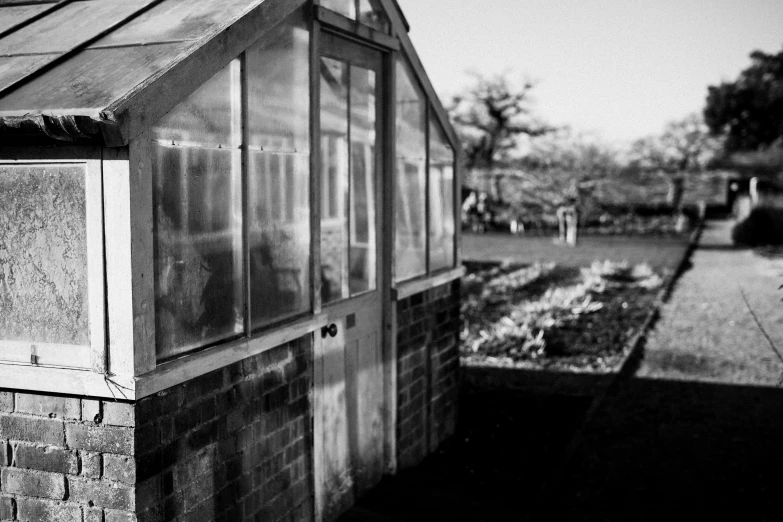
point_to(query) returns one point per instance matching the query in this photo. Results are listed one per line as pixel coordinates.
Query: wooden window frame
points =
(252, 339)
(91, 377)
(432, 278)
(355, 30)
(124, 365)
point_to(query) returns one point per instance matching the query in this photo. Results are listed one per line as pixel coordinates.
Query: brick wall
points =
(232, 445)
(427, 371)
(58, 459)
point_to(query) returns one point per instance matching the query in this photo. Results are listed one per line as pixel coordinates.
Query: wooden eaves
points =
(131, 113)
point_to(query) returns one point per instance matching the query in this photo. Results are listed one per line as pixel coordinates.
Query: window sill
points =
(409, 288)
(181, 370)
(68, 381)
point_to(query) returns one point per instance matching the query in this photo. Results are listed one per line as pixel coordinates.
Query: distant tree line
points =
(494, 116)
(748, 112)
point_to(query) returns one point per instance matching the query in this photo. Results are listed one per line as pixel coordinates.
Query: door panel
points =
(349, 391)
(336, 457)
(368, 463)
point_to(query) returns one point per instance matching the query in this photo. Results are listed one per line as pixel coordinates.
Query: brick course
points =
(232, 445)
(46, 470)
(427, 371)
(44, 458)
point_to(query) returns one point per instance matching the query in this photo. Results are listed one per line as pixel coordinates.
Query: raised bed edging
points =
(486, 378)
(585, 384)
(627, 369)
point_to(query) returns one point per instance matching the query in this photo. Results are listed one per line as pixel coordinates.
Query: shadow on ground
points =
(493, 469)
(676, 450)
(654, 450)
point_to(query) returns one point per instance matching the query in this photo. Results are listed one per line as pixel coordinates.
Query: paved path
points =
(696, 434)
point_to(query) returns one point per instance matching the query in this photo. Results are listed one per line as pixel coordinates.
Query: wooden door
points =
(349, 378)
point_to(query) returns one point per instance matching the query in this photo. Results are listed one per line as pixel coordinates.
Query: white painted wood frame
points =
(58, 367)
(122, 314)
(129, 258)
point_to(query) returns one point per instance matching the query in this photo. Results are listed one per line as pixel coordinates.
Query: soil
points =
(554, 317)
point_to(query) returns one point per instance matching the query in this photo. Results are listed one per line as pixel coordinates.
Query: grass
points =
(549, 316)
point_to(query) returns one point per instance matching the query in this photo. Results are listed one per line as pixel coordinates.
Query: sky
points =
(614, 69)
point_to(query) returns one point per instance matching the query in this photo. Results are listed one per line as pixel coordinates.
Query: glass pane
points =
(199, 296)
(334, 180)
(441, 200)
(368, 12)
(344, 7)
(279, 236)
(363, 241)
(410, 240)
(43, 254)
(371, 13)
(278, 84)
(279, 173)
(206, 117)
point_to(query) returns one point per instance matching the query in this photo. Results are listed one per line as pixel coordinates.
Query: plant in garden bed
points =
(549, 316)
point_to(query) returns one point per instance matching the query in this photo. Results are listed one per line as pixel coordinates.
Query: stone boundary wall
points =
(427, 371)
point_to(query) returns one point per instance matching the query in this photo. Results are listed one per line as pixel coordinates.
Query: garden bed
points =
(554, 317)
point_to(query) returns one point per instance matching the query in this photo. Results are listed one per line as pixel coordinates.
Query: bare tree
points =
(586, 157)
(490, 116)
(684, 146)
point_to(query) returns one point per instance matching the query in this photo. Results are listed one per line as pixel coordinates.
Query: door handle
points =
(330, 330)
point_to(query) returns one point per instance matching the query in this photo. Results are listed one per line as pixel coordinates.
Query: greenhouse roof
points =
(69, 66)
(104, 70)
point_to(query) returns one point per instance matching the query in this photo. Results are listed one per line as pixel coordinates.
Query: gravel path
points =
(707, 331)
(696, 433)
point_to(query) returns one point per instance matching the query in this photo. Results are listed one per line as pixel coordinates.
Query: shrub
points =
(763, 226)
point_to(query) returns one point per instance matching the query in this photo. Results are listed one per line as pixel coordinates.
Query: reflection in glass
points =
(367, 12)
(278, 173)
(344, 7)
(334, 180)
(371, 13)
(348, 214)
(410, 210)
(198, 218)
(363, 241)
(206, 118)
(441, 199)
